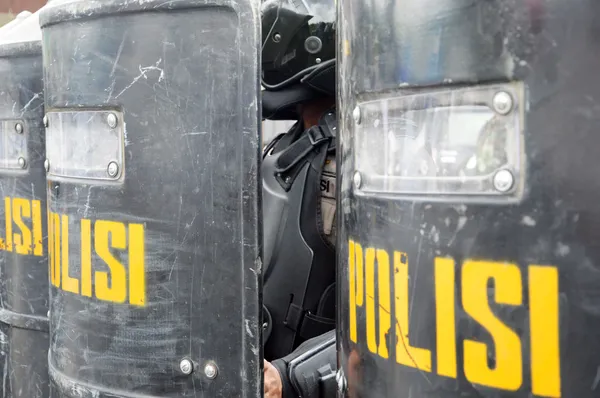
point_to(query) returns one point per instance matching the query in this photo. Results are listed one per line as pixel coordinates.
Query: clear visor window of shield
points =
(463, 143)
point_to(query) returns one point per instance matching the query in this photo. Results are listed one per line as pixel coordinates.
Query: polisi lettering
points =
(392, 273)
(112, 256)
(324, 185)
(23, 227)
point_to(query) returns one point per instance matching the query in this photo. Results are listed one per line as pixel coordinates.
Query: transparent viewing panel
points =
(85, 144)
(467, 141)
(13, 145)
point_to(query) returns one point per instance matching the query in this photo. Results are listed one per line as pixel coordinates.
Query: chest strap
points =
(312, 138)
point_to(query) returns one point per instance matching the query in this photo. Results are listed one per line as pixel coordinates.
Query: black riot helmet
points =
(298, 44)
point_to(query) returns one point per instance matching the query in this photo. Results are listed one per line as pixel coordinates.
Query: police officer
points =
(299, 189)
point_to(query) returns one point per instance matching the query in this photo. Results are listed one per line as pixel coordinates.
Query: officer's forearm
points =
(309, 372)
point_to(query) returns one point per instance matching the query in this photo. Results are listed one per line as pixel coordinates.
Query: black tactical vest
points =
(298, 174)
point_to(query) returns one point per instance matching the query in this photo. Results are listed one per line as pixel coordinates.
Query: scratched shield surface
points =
(23, 254)
(469, 261)
(152, 116)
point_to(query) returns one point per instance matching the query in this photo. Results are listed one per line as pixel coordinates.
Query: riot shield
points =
(152, 115)
(23, 254)
(469, 262)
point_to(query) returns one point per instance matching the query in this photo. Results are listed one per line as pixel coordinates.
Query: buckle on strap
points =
(312, 138)
(316, 135)
(294, 317)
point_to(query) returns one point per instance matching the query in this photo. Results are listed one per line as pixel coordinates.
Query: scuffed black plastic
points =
(395, 48)
(23, 277)
(185, 77)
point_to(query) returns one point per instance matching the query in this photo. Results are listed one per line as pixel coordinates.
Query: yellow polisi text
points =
(111, 264)
(23, 227)
(378, 274)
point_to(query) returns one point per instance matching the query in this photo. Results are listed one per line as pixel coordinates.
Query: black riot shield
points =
(152, 115)
(469, 258)
(23, 253)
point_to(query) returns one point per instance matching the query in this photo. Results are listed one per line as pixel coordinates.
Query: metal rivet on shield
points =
(211, 370)
(186, 366)
(341, 381)
(112, 120)
(318, 60)
(47, 165)
(357, 178)
(276, 37)
(45, 120)
(19, 128)
(503, 102)
(503, 180)
(22, 162)
(113, 169)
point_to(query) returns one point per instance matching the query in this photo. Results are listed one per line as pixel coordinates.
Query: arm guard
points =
(309, 371)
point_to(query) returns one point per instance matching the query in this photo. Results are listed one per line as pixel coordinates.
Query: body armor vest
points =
(298, 173)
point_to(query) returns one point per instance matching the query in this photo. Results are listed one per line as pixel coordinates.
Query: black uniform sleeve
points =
(309, 371)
